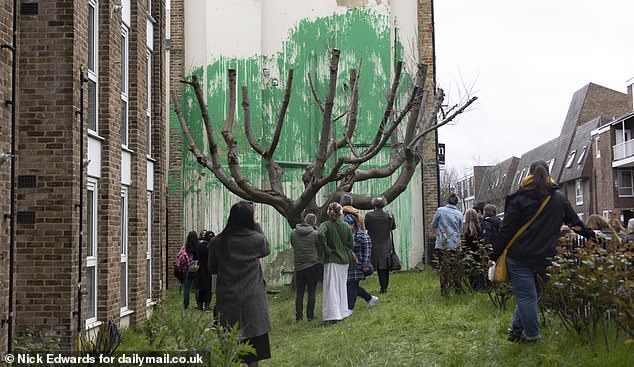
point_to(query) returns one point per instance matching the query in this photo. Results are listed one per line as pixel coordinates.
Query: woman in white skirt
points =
(336, 238)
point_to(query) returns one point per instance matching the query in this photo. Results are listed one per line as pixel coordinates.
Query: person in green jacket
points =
(336, 238)
(305, 240)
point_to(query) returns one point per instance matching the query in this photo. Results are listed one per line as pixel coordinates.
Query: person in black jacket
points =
(490, 225)
(529, 254)
(203, 277)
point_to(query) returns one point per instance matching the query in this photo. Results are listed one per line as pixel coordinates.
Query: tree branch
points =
(280, 119)
(312, 89)
(246, 107)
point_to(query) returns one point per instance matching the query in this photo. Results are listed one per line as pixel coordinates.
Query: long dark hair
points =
(541, 181)
(192, 240)
(240, 216)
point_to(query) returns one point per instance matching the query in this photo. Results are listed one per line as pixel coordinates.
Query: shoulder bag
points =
(500, 271)
(393, 261)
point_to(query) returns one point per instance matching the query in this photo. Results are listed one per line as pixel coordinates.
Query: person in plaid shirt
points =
(362, 247)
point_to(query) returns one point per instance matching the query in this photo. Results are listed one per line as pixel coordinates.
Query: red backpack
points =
(185, 263)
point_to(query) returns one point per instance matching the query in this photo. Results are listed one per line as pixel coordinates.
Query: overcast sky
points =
(524, 60)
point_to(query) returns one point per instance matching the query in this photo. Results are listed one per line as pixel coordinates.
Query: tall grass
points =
(412, 325)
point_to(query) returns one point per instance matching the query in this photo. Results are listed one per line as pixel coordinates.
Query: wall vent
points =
(27, 181)
(29, 9)
(26, 218)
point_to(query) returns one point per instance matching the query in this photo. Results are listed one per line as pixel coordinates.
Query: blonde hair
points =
(334, 211)
(597, 223)
(616, 225)
(471, 223)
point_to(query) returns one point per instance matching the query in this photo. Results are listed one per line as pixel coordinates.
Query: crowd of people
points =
(341, 252)
(346, 248)
(536, 216)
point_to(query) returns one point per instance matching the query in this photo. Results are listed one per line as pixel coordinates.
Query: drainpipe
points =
(80, 293)
(13, 103)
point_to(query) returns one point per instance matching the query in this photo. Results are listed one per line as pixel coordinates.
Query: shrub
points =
(590, 288)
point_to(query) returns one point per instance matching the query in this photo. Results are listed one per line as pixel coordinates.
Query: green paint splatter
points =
(358, 33)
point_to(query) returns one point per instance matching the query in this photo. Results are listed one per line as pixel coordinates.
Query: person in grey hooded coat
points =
(305, 241)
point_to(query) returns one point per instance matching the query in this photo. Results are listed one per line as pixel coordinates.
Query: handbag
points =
(500, 271)
(393, 261)
(354, 260)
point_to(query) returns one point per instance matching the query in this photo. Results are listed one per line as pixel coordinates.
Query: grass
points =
(413, 325)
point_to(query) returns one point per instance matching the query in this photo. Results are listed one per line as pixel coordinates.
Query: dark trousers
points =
(203, 298)
(306, 279)
(384, 279)
(449, 276)
(187, 286)
(354, 291)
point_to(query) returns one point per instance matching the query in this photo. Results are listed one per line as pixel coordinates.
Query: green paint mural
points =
(359, 34)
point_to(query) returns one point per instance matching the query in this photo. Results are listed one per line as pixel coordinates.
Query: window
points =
(580, 215)
(596, 147)
(515, 179)
(93, 57)
(571, 158)
(550, 164)
(148, 255)
(124, 85)
(124, 249)
(91, 254)
(579, 192)
(582, 155)
(148, 57)
(625, 186)
(606, 214)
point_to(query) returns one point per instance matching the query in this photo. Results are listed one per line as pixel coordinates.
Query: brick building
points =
(89, 229)
(590, 159)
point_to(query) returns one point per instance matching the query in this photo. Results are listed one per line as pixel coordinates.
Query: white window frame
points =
(581, 216)
(92, 250)
(148, 251)
(125, 85)
(582, 155)
(606, 214)
(124, 250)
(93, 73)
(579, 192)
(619, 187)
(596, 147)
(148, 57)
(550, 164)
(571, 158)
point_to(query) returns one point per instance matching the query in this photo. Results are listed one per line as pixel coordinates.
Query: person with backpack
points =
(187, 265)
(234, 255)
(203, 277)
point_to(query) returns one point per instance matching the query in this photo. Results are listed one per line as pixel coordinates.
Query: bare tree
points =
(345, 169)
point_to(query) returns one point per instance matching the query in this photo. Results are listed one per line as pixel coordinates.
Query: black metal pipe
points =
(80, 293)
(14, 71)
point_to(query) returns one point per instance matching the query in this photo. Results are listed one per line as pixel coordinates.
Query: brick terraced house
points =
(89, 165)
(592, 159)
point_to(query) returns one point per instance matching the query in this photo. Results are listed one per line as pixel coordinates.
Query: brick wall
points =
(6, 34)
(52, 48)
(429, 164)
(46, 249)
(175, 193)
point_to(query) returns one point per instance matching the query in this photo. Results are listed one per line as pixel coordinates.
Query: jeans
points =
(354, 290)
(306, 278)
(384, 279)
(187, 286)
(526, 293)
